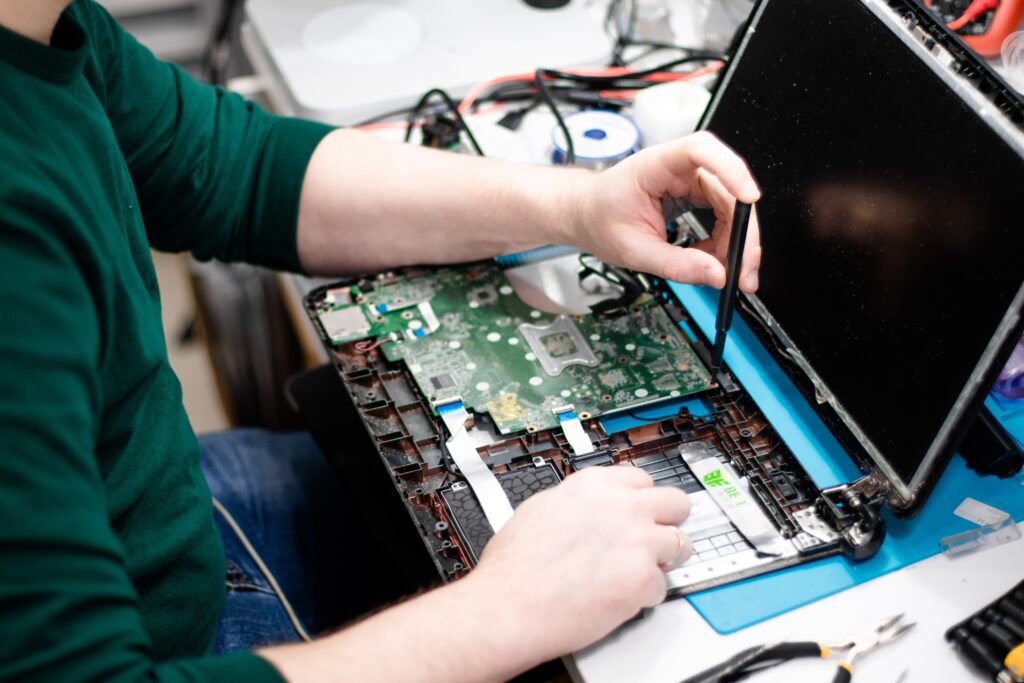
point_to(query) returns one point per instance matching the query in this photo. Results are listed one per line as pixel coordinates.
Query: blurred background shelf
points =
(175, 30)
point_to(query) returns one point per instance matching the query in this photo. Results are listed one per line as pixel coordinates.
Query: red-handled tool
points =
(983, 24)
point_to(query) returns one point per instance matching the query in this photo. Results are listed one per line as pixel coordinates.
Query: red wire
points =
(973, 11)
(367, 345)
(480, 88)
(663, 77)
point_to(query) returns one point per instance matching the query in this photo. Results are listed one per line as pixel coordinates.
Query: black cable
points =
(542, 90)
(628, 81)
(623, 40)
(218, 49)
(517, 92)
(610, 15)
(653, 47)
(643, 55)
(493, 97)
(524, 90)
(411, 121)
(545, 94)
(583, 97)
(660, 68)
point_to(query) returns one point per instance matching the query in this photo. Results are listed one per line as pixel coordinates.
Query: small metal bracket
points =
(852, 511)
(813, 525)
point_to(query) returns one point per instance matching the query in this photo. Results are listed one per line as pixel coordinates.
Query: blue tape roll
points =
(600, 138)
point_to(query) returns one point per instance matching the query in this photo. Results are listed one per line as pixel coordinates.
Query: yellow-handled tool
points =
(766, 656)
(1014, 661)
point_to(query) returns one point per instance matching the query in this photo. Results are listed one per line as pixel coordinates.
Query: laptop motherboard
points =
(407, 343)
(465, 333)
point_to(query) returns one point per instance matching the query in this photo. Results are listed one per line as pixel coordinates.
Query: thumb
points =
(650, 253)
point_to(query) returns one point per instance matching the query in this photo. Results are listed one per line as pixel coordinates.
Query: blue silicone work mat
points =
(744, 603)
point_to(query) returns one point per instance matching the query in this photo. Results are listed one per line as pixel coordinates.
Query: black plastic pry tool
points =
(727, 303)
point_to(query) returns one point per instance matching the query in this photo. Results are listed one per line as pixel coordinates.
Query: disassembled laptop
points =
(479, 391)
(533, 384)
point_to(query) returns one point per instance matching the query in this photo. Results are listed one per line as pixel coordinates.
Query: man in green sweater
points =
(111, 567)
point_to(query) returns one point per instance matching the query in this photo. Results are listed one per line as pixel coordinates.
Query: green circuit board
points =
(464, 333)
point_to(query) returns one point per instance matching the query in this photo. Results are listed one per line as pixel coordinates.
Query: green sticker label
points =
(729, 490)
(715, 478)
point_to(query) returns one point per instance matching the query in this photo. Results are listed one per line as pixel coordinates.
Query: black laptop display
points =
(893, 222)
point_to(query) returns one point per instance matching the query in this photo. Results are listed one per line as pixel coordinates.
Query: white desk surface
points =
(674, 642)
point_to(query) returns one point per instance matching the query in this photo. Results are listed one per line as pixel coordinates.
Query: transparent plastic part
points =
(1012, 52)
(987, 536)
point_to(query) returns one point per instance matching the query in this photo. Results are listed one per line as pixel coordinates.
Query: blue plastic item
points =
(1010, 383)
(750, 601)
(521, 258)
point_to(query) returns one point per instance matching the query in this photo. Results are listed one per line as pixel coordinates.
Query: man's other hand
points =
(621, 220)
(576, 561)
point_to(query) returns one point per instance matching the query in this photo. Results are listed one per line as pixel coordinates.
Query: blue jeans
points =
(287, 500)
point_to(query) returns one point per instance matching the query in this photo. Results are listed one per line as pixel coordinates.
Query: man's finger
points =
(706, 151)
(724, 205)
(625, 475)
(721, 201)
(656, 588)
(666, 504)
(650, 254)
(749, 282)
(677, 162)
(673, 547)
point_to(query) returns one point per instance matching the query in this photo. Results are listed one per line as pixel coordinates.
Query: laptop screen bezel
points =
(906, 496)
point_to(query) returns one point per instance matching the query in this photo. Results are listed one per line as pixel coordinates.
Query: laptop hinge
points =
(853, 511)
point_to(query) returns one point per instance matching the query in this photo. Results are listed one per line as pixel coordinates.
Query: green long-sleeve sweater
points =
(110, 566)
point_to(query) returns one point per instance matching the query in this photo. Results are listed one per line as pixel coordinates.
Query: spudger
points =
(727, 302)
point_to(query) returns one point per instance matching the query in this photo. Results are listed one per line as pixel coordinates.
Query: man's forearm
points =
(460, 632)
(369, 204)
(609, 528)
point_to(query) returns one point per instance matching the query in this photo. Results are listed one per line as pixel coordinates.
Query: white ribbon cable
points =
(574, 432)
(732, 494)
(478, 475)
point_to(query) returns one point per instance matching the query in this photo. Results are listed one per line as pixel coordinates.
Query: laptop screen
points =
(892, 219)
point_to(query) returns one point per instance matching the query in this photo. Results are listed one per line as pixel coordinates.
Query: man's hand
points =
(578, 560)
(620, 214)
(369, 204)
(572, 564)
